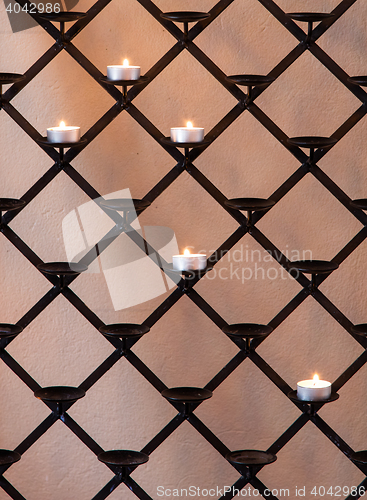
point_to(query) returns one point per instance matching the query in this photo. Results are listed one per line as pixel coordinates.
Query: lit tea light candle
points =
(123, 72)
(314, 390)
(189, 261)
(187, 134)
(63, 133)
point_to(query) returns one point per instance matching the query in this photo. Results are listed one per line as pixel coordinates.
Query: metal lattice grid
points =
(305, 42)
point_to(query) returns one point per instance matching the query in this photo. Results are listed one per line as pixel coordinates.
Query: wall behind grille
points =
(185, 348)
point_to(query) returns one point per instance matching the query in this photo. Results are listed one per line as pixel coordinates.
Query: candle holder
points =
(61, 146)
(311, 143)
(124, 332)
(249, 205)
(361, 203)
(9, 457)
(124, 84)
(8, 331)
(187, 397)
(313, 267)
(185, 17)
(62, 18)
(358, 80)
(360, 329)
(60, 395)
(359, 457)
(188, 276)
(7, 204)
(247, 331)
(250, 81)
(310, 18)
(123, 460)
(62, 269)
(125, 205)
(186, 146)
(8, 79)
(314, 405)
(247, 461)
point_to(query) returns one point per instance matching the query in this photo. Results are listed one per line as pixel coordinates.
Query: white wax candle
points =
(63, 134)
(123, 72)
(313, 390)
(187, 134)
(189, 261)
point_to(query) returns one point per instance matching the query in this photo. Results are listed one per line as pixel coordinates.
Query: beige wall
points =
(185, 348)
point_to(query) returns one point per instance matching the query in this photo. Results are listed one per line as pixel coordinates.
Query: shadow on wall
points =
(19, 17)
(133, 276)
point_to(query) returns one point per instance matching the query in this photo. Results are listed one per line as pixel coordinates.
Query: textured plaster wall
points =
(184, 348)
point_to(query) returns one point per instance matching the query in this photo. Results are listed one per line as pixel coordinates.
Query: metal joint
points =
(60, 164)
(123, 348)
(185, 286)
(61, 43)
(122, 474)
(59, 411)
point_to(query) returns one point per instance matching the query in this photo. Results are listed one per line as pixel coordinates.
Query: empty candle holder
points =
(9, 457)
(60, 396)
(185, 17)
(8, 330)
(310, 18)
(313, 267)
(312, 143)
(359, 457)
(358, 80)
(360, 329)
(247, 331)
(124, 84)
(249, 205)
(361, 203)
(123, 461)
(124, 332)
(62, 18)
(187, 397)
(248, 461)
(250, 81)
(9, 79)
(62, 269)
(125, 205)
(7, 204)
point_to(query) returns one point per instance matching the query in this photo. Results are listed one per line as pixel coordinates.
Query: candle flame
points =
(189, 125)
(125, 63)
(315, 379)
(186, 251)
(62, 124)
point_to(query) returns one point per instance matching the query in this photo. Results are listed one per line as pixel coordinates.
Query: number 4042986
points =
(34, 8)
(338, 491)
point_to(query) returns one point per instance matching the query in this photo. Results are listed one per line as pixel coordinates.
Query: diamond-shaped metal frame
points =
(304, 43)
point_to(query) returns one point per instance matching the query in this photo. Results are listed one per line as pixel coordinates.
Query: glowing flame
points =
(125, 63)
(186, 251)
(62, 124)
(189, 125)
(315, 379)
